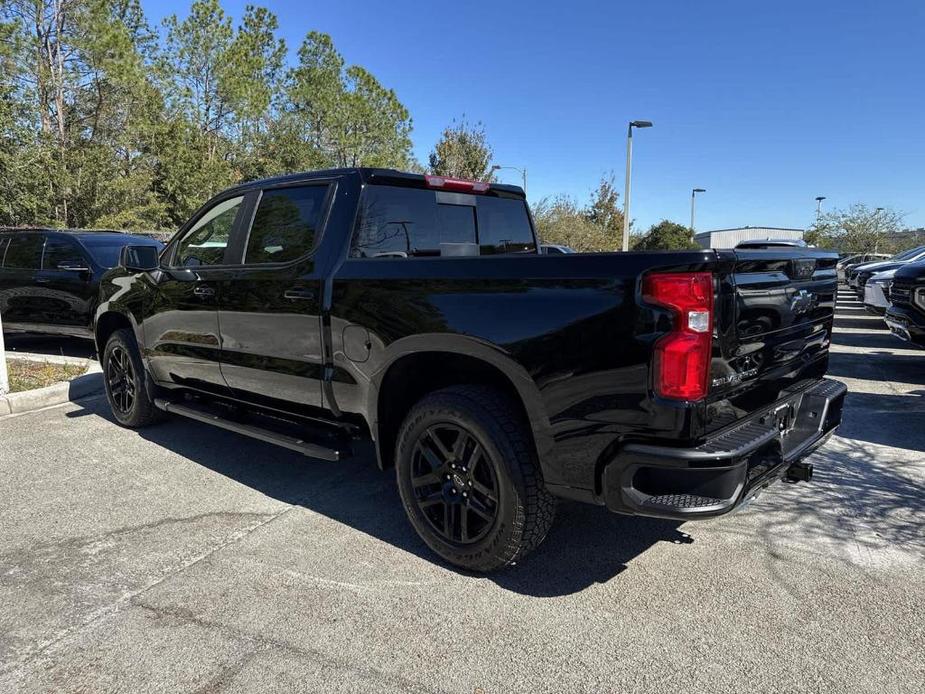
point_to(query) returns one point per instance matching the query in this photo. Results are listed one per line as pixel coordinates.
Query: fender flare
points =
(110, 308)
(475, 348)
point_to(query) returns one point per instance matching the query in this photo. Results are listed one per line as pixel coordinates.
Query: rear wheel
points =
(124, 376)
(469, 479)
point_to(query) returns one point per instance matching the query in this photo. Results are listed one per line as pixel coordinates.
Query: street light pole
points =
(629, 169)
(522, 172)
(819, 200)
(694, 192)
(877, 229)
(4, 378)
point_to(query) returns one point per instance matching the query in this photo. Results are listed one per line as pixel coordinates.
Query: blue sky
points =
(766, 105)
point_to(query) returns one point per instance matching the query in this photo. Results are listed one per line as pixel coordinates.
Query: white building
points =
(728, 238)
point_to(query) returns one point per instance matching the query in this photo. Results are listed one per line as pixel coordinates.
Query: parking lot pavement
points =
(184, 558)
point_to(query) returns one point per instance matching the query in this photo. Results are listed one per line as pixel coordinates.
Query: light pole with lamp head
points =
(629, 167)
(523, 173)
(877, 229)
(819, 200)
(694, 192)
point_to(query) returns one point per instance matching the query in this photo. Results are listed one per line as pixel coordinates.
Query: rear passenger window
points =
(285, 224)
(396, 222)
(61, 252)
(24, 252)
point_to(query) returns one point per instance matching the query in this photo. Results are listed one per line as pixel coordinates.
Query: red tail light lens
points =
(682, 357)
(457, 184)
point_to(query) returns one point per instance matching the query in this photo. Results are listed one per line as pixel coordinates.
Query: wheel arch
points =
(424, 364)
(106, 323)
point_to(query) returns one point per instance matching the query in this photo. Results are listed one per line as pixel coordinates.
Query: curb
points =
(90, 383)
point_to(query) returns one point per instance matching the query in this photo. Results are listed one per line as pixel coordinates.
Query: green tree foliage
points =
(462, 152)
(859, 229)
(598, 226)
(15, 202)
(78, 76)
(604, 210)
(665, 236)
(342, 116)
(106, 121)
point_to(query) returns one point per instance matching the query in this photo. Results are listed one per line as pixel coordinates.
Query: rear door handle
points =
(204, 291)
(297, 294)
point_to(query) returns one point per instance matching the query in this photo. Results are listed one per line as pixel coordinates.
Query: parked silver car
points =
(877, 292)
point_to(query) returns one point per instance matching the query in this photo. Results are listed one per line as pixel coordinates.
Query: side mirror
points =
(139, 258)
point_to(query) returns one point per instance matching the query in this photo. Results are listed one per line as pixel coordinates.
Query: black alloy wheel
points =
(455, 486)
(469, 478)
(120, 375)
(125, 379)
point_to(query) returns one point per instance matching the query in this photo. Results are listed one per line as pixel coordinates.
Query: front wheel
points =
(124, 377)
(469, 479)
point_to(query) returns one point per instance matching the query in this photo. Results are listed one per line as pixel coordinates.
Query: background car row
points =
(878, 274)
(893, 288)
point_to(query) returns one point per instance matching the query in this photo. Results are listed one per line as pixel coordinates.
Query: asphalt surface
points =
(187, 559)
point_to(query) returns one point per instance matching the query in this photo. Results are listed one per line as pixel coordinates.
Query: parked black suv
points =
(49, 278)
(312, 309)
(906, 315)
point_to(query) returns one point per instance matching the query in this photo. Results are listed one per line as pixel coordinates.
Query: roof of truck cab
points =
(368, 175)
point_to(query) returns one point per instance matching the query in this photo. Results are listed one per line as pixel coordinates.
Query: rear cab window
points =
(404, 222)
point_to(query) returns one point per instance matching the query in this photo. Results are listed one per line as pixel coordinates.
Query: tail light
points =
(457, 184)
(682, 357)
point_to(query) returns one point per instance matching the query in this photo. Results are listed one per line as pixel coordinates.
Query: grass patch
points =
(28, 375)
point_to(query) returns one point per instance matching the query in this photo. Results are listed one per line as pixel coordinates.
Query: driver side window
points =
(206, 242)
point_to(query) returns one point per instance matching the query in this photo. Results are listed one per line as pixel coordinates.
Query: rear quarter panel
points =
(569, 331)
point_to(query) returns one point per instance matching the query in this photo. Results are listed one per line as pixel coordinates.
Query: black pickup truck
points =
(317, 309)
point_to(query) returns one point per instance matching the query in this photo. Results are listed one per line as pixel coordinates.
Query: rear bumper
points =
(728, 468)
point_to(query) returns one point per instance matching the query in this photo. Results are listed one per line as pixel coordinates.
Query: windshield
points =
(105, 251)
(912, 252)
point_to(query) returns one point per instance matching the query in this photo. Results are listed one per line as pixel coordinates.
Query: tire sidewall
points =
(119, 339)
(500, 545)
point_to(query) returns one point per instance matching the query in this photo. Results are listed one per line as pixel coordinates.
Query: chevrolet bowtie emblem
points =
(803, 301)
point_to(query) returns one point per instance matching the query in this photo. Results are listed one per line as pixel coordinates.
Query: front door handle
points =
(299, 293)
(204, 291)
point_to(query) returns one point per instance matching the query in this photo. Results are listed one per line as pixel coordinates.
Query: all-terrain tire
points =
(124, 372)
(523, 510)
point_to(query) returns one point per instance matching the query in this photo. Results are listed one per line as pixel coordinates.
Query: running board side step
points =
(311, 450)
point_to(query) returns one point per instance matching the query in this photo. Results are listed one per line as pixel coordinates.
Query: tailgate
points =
(774, 326)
